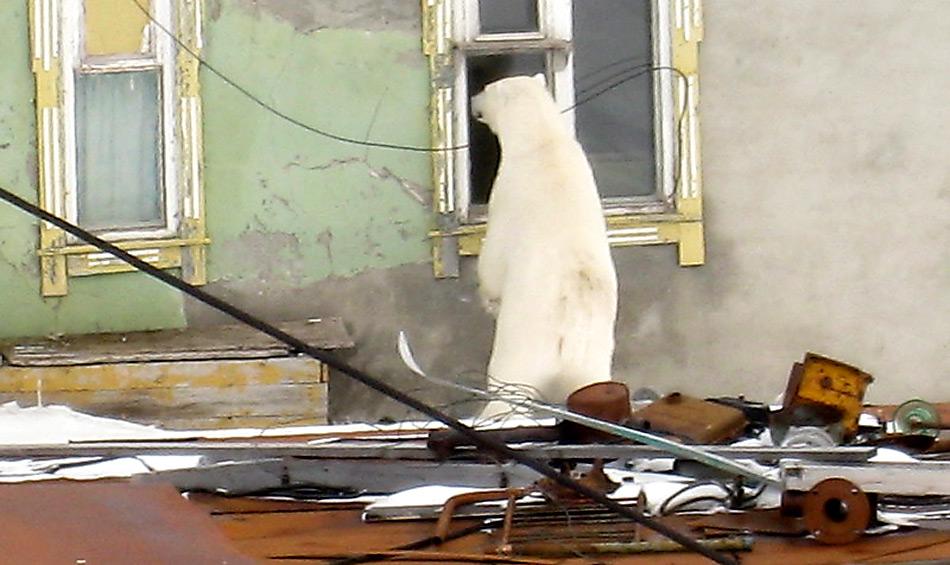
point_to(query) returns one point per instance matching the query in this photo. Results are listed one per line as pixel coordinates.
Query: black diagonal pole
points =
(296, 344)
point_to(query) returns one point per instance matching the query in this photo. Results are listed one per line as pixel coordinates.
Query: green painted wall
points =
(285, 207)
(99, 304)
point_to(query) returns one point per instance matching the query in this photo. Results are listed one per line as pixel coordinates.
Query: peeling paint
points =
(312, 16)
(417, 191)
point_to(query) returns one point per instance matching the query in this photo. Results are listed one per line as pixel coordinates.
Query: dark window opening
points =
(484, 150)
(508, 16)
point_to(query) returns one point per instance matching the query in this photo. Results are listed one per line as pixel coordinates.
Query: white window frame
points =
(554, 40)
(161, 58)
(56, 37)
(672, 215)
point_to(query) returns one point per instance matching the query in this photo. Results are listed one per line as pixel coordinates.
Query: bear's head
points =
(514, 100)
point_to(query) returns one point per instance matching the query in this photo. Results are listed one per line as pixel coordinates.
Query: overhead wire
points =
(648, 68)
(279, 113)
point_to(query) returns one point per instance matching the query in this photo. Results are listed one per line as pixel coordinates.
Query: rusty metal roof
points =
(316, 532)
(101, 522)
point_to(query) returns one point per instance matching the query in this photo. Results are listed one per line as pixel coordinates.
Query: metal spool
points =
(836, 511)
(917, 417)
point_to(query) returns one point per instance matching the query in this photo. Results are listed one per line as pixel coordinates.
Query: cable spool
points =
(917, 417)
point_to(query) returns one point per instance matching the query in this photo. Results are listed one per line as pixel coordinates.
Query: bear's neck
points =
(532, 131)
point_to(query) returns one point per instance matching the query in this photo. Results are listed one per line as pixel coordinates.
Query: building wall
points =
(825, 172)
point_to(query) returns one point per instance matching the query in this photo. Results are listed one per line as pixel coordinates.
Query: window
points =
(609, 64)
(119, 136)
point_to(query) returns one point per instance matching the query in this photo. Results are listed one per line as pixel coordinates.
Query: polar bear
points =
(545, 270)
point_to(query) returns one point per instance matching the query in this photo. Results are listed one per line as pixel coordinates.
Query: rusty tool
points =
(836, 511)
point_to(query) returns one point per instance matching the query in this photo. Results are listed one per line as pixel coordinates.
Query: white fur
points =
(545, 269)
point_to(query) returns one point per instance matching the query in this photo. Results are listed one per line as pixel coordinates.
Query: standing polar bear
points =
(545, 270)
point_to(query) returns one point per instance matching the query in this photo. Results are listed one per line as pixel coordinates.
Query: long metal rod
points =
(685, 451)
(366, 379)
(383, 450)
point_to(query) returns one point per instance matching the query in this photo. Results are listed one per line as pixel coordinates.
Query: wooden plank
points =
(192, 404)
(165, 375)
(185, 395)
(219, 342)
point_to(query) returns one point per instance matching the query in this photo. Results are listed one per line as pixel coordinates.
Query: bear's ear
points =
(540, 79)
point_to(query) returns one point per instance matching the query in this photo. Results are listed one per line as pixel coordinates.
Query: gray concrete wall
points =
(827, 179)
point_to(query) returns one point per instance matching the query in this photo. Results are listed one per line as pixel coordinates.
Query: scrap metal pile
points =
(725, 475)
(821, 465)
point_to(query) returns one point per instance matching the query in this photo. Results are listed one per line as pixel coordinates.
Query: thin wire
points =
(366, 143)
(683, 111)
(280, 114)
(641, 71)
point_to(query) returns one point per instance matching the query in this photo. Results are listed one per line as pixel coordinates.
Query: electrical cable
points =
(647, 68)
(665, 506)
(280, 114)
(296, 344)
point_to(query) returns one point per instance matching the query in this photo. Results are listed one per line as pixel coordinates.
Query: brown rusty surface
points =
(770, 521)
(836, 511)
(102, 522)
(695, 420)
(279, 531)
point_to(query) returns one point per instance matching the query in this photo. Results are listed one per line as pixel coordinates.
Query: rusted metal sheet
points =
(218, 342)
(108, 522)
(274, 529)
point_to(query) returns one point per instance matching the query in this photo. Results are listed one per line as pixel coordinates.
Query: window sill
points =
(683, 229)
(61, 262)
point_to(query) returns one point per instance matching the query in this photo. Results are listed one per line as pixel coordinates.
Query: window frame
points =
(451, 34)
(57, 29)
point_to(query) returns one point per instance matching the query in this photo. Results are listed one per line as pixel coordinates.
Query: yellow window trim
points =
(60, 258)
(683, 226)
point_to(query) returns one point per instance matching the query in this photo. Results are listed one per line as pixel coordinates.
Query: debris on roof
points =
(845, 483)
